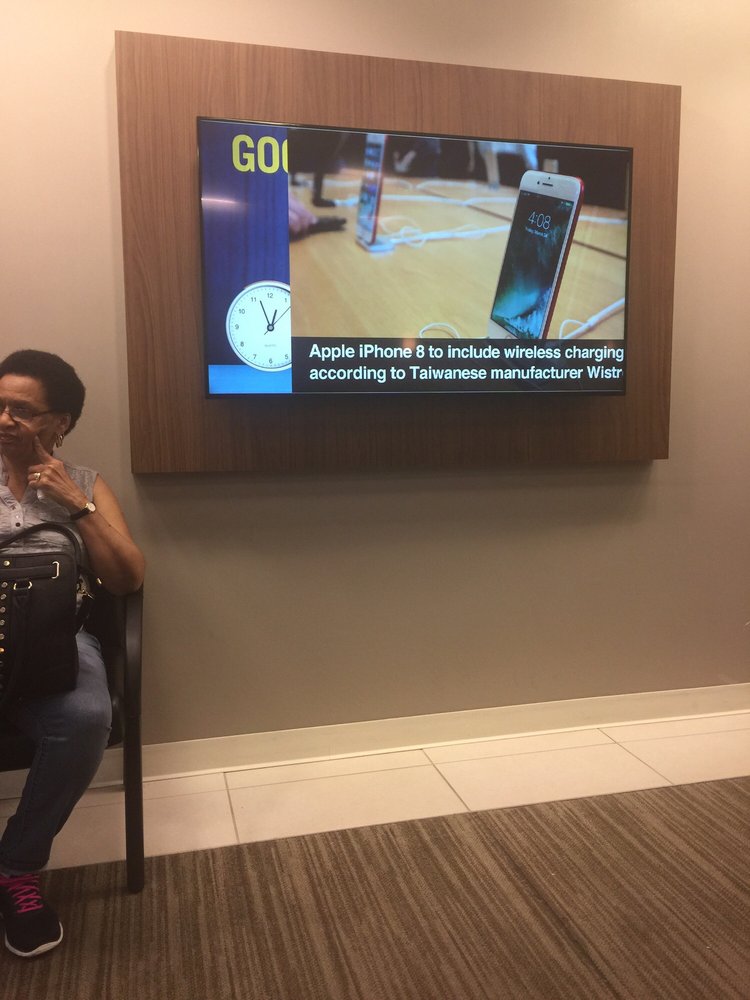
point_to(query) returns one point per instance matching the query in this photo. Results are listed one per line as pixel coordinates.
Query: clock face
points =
(259, 325)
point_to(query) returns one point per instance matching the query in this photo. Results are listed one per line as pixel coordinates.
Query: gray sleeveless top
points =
(33, 508)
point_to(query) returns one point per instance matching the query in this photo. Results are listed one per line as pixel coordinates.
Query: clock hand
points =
(270, 326)
(266, 315)
(283, 314)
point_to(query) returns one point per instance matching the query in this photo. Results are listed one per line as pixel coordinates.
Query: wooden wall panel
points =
(164, 83)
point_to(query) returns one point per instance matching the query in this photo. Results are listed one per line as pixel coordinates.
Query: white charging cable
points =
(443, 327)
(413, 236)
(591, 322)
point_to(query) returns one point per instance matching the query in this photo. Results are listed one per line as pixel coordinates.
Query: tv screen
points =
(363, 262)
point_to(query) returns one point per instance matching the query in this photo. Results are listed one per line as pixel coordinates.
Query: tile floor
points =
(261, 803)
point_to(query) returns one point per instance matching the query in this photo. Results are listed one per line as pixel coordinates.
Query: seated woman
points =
(41, 398)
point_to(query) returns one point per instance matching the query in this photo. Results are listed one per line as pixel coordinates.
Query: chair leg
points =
(133, 780)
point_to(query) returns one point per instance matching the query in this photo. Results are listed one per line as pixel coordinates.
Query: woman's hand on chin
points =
(48, 474)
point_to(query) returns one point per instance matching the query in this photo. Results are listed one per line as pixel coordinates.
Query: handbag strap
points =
(57, 526)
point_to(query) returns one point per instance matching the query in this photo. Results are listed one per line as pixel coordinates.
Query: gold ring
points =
(37, 476)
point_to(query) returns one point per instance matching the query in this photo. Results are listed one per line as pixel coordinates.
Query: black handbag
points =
(45, 597)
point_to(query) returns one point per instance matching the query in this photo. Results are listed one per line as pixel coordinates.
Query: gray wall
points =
(278, 603)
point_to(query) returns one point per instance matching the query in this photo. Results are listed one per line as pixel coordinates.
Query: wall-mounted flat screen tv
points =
(339, 261)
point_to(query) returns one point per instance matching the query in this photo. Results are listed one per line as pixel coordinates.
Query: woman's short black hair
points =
(64, 390)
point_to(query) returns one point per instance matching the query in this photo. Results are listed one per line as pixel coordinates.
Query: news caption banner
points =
(381, 365)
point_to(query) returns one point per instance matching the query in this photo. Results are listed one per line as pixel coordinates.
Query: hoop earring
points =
(59, 440)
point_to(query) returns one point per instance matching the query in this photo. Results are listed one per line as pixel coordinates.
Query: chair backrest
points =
(107, 623)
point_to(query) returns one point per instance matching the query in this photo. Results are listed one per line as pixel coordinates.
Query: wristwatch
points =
(89, 508)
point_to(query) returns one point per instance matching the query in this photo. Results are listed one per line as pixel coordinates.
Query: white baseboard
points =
(226, 753)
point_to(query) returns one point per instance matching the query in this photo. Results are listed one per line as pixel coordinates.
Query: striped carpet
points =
(636, 896)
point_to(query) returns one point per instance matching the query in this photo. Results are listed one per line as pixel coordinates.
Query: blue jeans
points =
(71, 732)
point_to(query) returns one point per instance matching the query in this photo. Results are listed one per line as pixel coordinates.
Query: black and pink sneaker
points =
(31, 926)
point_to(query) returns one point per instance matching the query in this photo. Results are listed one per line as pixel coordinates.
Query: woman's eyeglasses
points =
(21, 412)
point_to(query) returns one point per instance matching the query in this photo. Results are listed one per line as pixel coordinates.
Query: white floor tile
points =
(325, 768)
(705, 757)
(336, 803)
(498, 782)
(173, 824)
(508, 746)
(678, 727)
(188, 823)
(91, 836)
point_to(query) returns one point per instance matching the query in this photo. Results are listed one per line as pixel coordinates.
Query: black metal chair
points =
(117, 623)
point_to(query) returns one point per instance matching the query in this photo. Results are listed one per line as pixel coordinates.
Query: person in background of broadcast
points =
(300, 218)
(41, 398)
(303, 222)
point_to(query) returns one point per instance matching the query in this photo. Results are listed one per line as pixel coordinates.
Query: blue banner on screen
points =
(364, 262)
